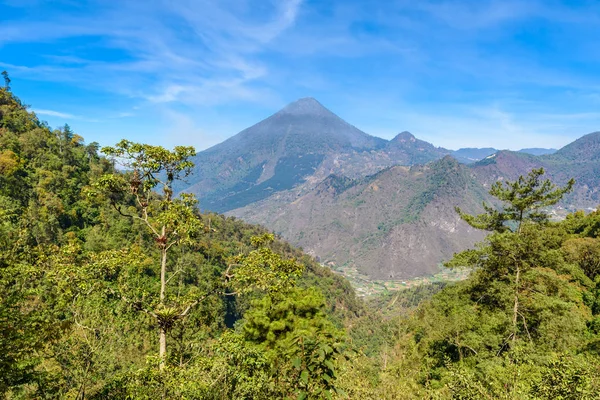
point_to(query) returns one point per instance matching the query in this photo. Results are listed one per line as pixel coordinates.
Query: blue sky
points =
(501, 73)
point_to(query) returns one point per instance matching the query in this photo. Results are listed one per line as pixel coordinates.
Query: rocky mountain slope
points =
(302, 141)
(398, 223)
(406, 149)
(579, 159)
(273, 155)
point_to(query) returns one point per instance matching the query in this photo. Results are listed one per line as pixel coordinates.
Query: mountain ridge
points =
(256, 162)
(305, 167)
(348, 222)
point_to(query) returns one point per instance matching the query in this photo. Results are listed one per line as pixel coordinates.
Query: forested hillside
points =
(85, 301)
(113, 287)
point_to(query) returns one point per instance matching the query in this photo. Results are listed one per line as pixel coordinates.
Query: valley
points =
(391, 276)
(367, 287)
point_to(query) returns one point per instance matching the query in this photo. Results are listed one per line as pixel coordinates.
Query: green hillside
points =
(79, 310)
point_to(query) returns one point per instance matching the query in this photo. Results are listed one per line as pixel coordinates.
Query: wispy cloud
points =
(185, 51)
(53, 113)
(123, 115)
(63, 115)
(447, 69)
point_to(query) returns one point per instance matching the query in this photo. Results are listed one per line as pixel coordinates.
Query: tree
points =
(299, 341)
(494, 335)
(509, 250)
(6, 80)
(171, 221)
(566, 377)
(524, 200)
(39, 212)
(585, 252)
(174, 221)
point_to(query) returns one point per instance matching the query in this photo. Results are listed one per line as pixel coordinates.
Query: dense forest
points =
(114, 286)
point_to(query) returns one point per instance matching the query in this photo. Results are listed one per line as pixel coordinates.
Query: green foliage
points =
(264, 269)
(566, 378)
(524, 199)
(81, 299)
(530, 297)
(298, 339)
(585, 252)
(6, 80)
(94, 263)
(42, 173)
(171, 221)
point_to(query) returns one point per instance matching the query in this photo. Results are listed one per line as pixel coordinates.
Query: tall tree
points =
(510, 251)
(6, 80)
(172, 221)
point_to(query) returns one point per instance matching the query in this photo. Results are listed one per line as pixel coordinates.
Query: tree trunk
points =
(516, 304)
(163, 283)
(163, 348)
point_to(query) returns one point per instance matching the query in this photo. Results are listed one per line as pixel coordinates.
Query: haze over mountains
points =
(384, 207)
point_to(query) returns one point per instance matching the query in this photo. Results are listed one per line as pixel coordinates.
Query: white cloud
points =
(63, 115)
(52, 113)
(175, 51)
(124, 114)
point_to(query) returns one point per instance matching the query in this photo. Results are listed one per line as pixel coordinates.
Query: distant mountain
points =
(583, 150)
(469, 155)
(406, 149)
(303, 141)
(579, 159)
(398, 223)
(273, 155)
(537, 151)
(505, 165)
(384, 207)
